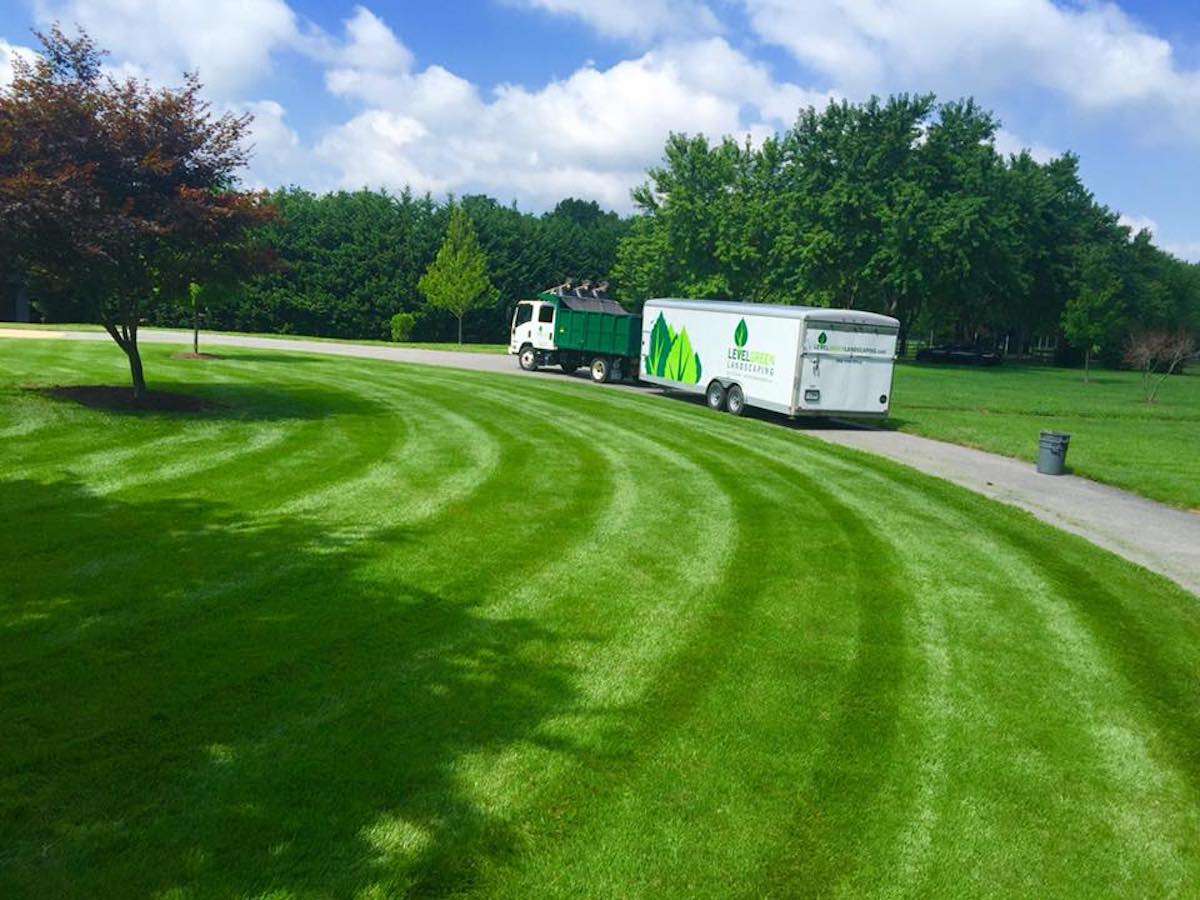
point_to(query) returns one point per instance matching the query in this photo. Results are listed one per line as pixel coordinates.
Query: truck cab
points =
(533, 327)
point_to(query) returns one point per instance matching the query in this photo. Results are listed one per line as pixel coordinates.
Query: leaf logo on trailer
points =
(671, 355)
(748, 362)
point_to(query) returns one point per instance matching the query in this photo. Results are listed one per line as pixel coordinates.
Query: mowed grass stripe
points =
(614, 644)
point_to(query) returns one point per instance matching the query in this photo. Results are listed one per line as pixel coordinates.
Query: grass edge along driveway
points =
(1116, 437)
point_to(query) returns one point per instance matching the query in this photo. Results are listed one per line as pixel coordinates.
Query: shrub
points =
(403, 325)
(1157, 354)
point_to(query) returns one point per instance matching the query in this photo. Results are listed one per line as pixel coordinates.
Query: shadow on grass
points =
(209, 400)
(198, 700)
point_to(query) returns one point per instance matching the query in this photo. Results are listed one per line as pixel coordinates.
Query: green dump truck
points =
(570, 327)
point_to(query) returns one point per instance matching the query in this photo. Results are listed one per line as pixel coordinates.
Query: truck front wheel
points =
(528, 359)
(715, 396)
(735, 400)
(601, 369)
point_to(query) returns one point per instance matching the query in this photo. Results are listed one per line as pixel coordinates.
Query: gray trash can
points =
(1052, 452)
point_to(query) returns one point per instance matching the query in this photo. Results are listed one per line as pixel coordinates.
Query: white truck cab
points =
(532, 326)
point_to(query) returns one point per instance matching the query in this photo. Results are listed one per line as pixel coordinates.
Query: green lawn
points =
(1116, 437)
(367, 629)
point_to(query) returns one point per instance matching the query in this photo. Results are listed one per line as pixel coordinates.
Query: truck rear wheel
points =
(601, 369)
(715, 396)
(528, 359)
(735, 400)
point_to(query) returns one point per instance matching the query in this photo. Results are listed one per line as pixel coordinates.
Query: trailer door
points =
(846, 368)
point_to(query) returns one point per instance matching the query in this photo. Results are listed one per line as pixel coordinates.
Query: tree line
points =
(903, 206)
(345, 263)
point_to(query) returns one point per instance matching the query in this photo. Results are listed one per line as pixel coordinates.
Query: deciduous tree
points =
(457, 280)
(115, 195)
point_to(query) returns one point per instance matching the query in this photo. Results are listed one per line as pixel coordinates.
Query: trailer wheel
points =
(601, 369)
(735, 400)
(715, 396)
(528, 359)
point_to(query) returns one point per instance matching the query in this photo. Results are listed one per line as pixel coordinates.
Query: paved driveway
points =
(1163, 539)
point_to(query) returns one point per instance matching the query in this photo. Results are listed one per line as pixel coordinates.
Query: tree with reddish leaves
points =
(116, 195)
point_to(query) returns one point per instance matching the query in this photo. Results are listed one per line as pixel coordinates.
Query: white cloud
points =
(636, 19)
(1188, 250)
(230, 42)
(591, 134)
(1138, 223)
(1094, 54)
(372, 45)
(277, 155)
(8, 53)
(1008, 144)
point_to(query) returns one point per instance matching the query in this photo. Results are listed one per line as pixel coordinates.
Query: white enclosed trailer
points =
(797, 360)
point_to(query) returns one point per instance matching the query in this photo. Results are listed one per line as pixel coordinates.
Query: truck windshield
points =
(524, 314)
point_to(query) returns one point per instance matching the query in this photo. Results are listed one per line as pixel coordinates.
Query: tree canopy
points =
(457, 279)
(902, 206)
(114, 195)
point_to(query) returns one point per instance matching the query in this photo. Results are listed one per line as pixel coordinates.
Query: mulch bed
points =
(196, 356)
(121, 398)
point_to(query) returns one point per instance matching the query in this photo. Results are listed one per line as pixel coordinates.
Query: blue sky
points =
(533, 100)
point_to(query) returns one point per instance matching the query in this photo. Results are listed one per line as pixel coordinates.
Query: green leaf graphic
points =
(741, 334)
(683, 365)
(661, 339)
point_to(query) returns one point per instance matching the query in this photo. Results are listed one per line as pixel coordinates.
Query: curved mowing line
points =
(1169, 703)
(541, 677)
(857, 756)
(705, 660)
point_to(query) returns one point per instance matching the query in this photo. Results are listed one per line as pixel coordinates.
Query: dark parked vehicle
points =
(959, 355)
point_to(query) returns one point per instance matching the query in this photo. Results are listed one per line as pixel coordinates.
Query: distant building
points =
(14, 299)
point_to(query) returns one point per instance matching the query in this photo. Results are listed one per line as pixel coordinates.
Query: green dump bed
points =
(595, 325)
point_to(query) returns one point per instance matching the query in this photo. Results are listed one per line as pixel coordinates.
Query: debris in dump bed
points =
(570, 288)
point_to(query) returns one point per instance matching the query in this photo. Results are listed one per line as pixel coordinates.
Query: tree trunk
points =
(1087, 364)
(126, 338)
(460, 318)
(196, 330)
(135, 371)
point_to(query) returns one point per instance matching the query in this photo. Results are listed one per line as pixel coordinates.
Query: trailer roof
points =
(779, 311)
